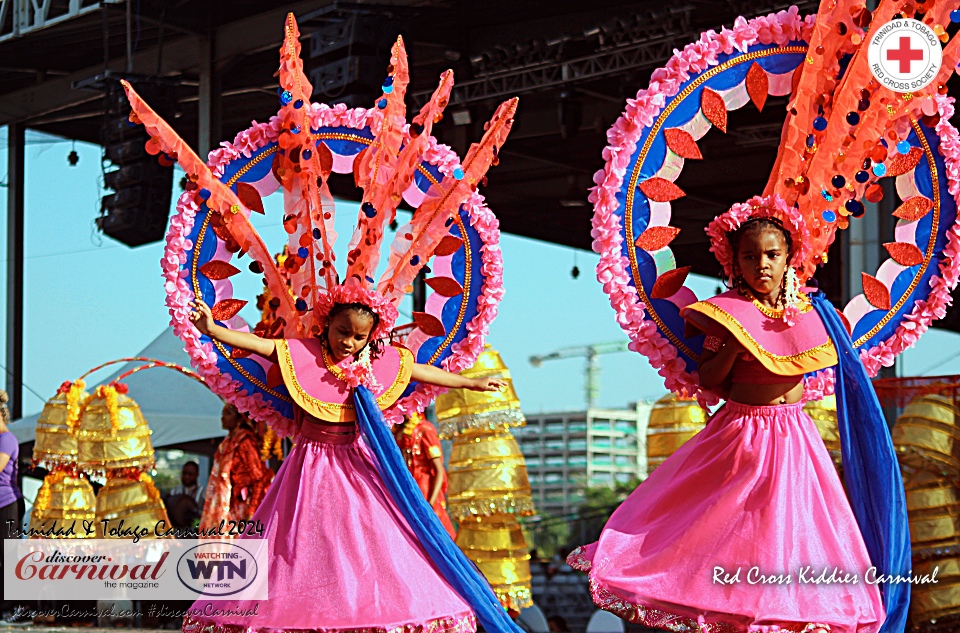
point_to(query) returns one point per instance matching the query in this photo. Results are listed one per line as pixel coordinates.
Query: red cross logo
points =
(905, 55)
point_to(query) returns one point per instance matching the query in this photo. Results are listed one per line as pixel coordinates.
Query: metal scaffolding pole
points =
(15, 186)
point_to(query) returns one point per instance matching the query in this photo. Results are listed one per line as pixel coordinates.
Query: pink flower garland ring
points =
(758, 207)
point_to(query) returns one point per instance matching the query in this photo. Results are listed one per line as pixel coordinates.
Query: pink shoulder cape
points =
(314, 386)
(782, 349)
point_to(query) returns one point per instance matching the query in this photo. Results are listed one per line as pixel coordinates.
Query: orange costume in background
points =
(420, 445)
(238, 482)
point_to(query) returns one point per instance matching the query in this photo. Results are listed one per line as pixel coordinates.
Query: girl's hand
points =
(735, 346)
(201, 316)
(487, 384)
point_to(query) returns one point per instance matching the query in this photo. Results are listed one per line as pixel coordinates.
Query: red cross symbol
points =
(905, 55)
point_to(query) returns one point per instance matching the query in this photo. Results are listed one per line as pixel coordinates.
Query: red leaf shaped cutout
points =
(227, 309)
(682, 144)
(448, 246)
(875, 292)
(274, 376)
(914, 208)
(846, 321)
(325, 156)
(357, 163)
(431, 325)
(660, 190)
(217, 269)
(445, 286)
(904, 254)
(669, 283)
(236, 352)
(758, 85)
(902, 163)
(714, 108)
(656, 237)
(216, 223)
(250, 197)
(221, 231)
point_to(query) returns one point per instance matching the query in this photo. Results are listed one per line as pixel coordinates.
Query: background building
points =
(566, 452)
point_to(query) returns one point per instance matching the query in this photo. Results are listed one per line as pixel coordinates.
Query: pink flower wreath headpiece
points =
(343, 294)
(775, 207)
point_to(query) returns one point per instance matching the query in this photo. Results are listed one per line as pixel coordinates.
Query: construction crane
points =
(591, 377)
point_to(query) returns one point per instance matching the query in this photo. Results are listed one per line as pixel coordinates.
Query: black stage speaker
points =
(136, 212)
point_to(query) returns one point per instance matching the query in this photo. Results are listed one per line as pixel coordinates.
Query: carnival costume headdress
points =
(297, 151)
(844, 133)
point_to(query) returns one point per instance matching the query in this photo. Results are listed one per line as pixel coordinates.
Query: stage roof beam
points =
(180, 55)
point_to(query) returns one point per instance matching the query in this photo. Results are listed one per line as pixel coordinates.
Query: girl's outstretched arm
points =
(202, 318)
(442, 378)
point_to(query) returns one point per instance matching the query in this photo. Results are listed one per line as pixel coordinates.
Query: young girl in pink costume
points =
(746, 527)
(729, 533)
(342, 558)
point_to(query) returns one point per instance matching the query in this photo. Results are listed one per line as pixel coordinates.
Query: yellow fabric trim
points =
(814, 359)
(336, 411)
(434, 451)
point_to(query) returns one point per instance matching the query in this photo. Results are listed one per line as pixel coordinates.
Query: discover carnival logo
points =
(217, 569)
(123, 569)
(905, 55)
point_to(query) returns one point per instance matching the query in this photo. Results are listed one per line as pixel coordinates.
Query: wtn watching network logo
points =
(217, 569)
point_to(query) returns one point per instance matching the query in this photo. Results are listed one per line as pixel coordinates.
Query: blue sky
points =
(89, 299)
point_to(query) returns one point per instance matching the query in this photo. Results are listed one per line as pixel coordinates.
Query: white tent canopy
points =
(177, 408)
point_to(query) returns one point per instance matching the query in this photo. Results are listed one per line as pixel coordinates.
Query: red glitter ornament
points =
(914, 208)
(758, 85)
(660, 190)
(656, 237)
(875, 292)
(682, 144)
(904, 254)
(715, 108)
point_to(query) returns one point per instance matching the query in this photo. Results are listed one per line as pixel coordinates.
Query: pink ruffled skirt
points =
(733, 532)
(342, 557)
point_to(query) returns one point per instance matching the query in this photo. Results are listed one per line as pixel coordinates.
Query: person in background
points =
(11, 499)
(239, 479)
(420, 446)
(185, 502)
(188, 483)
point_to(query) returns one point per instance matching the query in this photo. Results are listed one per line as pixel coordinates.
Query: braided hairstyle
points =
(376, 347)
(755, 226)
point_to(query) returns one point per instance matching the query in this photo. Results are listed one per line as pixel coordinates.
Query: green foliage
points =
(549, 535)
(598, 504)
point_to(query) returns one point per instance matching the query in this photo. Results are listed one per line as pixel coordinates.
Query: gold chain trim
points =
(628, 212)
(777, 313)
(331, 367)
(935, 179)
(782, 359)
